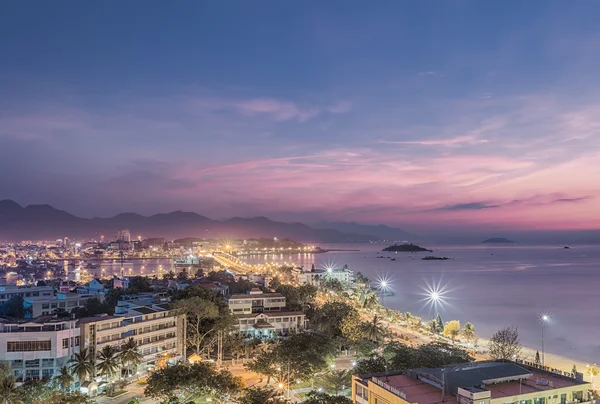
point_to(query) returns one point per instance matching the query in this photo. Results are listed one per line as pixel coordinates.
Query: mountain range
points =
(44, 222)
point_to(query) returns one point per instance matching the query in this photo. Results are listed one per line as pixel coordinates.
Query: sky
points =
(419, 114)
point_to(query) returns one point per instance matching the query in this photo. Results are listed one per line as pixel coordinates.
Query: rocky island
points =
(497, 240)
(406, 248)
(433, 258)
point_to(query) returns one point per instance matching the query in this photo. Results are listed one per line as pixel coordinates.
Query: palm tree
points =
(374, 330)
(81, 365)
(130, 356)
(64, 379)
(108, 361)
(469, 332)
(9, 391)
(408, 318)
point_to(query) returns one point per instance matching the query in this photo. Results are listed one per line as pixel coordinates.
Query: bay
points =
(491, 286)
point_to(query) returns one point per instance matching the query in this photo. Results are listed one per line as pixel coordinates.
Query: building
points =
(37, 349)
(124, 236)
(36, 306)
(8, 292)
(264, 315)
(158, 331)
(94, 287)
(313, 277)
(487, 382)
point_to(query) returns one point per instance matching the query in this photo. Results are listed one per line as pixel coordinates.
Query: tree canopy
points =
(505, 344)
(200, 379)
(452, 329)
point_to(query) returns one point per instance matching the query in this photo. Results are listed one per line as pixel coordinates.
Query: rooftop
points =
(271, 314)
(501, 379)
(255, 296)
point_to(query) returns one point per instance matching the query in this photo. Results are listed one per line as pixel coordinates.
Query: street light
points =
(544, 318)
(383, 287)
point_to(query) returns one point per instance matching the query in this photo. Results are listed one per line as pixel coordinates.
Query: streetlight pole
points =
(544, 318)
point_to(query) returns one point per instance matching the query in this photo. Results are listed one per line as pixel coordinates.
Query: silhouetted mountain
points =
(380, 231)
(36, 222)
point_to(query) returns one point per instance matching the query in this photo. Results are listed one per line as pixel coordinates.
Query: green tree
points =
(592, 371)
(64, 379)
(372, 364)
(469, 332)
(190, 381)
(81, 365)
(505, 344)
(374, 330)
(255, 395)
(329, 317)
(439, 324)
(351, 327)
(9, 392)
(452, 329)
(108, 362)
(130, 356)
(264, 364)
(14, 307)
(360, 279)
(35, 391)
(316, 397)
(200, 315)
(337, 379)
(370, 300)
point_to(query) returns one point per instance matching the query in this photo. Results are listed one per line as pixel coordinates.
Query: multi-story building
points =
(313, 277)
(263, 314)
(158, 331)
(487, 382)
(8, 292)
(36, 306)
(37, 349)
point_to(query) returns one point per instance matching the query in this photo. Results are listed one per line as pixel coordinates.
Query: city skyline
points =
(421, 116)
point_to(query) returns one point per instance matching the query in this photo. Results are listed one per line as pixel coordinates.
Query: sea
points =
(491, 286)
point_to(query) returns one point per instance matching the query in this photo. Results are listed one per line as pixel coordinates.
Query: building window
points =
(28, 346)
(76, 341)
(65, 343)
(34, 363)
(47, 363)
(32, 374)
(45, 306)
(47, 373)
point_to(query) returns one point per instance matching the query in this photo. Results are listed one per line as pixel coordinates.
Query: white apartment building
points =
(37, 349)
(158, 331)
(313, 277)
(263, 315)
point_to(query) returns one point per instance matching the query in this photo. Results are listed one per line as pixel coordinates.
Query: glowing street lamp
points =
(544, 318)
(384, 286)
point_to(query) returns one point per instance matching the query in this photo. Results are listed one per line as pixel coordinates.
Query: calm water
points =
(492, 287)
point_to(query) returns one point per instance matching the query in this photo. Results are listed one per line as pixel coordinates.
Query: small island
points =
(433, 258)
(497, 240)
(406, 248)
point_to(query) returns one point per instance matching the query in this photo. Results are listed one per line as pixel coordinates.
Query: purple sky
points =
(462, 113)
